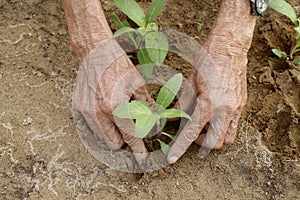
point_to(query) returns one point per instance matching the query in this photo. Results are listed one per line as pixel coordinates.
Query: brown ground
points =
(42, 157)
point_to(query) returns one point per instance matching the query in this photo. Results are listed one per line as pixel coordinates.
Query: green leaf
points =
(152, 27)
(147, 70)
(154, 9)
(132, 9)
(284, 8)
(118, 22)
(144, 124)
(157, 47)
(164, 147)
(143, 57)
(199, 27)
(122, 111)
(173, 113)
(145, 62)
(279, 53)
(149, 28)
(123, 30)
(168, 92)
(142, 31)
(132, 110)
(297, 29)
(122, 25)
(296, 60)
(172, 137)
(163, 122)
(297, 47)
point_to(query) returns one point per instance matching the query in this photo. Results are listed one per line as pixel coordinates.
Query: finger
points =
(214, 139)
(232, 129)
(109, 132)
(136, 86)
(191, 130)
(138, 148)
(142, 94)
(187, 96)
(127, 129)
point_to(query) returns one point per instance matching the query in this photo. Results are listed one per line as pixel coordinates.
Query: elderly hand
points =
(106, 78)
(219, 82)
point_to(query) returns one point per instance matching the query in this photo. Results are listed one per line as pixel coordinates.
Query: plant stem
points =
(293, 48)
(158, 134)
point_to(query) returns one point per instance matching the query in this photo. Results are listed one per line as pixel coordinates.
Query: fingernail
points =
(204, 152)
(172, 160)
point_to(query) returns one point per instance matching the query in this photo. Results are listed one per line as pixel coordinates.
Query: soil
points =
(42, 157)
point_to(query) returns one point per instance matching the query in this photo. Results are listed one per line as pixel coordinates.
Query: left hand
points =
(219, 81)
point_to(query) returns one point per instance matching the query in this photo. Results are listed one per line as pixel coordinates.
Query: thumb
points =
(192, 129)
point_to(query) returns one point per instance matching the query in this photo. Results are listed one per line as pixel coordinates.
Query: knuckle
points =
(230, 109)
(106, 107)
(114, 146)
(190, 136)
(218, 146)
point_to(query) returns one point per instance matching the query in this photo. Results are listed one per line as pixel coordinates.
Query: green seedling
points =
(199, 27)
(146, 118)
(286, 9)
(152, 45)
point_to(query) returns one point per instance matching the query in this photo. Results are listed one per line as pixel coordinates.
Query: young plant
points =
(146, 118)
(147, 34)
(286, 9)
(199, 27)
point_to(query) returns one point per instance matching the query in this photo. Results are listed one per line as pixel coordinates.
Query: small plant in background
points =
(155, 43)
(286, 9)
(199, 27)
(146, 118)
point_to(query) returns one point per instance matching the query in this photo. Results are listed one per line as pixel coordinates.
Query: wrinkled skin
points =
(227, 45)
(106, 78)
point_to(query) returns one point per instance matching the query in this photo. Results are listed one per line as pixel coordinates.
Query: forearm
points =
(232, 33)
(87, 25)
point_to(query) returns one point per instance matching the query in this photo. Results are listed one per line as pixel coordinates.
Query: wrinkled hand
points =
(219, 82)
(106, 77)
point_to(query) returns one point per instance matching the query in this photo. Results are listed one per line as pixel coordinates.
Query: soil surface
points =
(42, 157)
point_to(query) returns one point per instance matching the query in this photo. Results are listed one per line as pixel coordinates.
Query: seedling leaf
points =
(132, 9)
(144, 124)
(199, 27)
(146, 63)
(132, 110)
(164, 147)
(163, 122)
(156, 46)
(168, 92)
(279, 53)
(143, 57)
(296, 61)
(154, 9)
(297, 29)
(147, 70)
(123, 24)
(118, 22)
(284, 8)
(297, 47)
(173, 113)
(122, 31)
